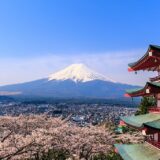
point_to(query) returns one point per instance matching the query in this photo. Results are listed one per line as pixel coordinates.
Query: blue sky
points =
(38, 37)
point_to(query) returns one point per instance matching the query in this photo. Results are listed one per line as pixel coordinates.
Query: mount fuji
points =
(78, 73)
(75, 81)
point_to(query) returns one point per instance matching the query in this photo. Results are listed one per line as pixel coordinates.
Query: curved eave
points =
(143, 151)
(153, 124)
(134, 93)
(150, 61)
(140, 120)
(150, 88)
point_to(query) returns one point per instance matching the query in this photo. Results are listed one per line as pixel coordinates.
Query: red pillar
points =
(158, 136)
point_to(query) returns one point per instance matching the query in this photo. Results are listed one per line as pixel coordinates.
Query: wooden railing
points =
(154, 143)
(155, 79)
(154, 109)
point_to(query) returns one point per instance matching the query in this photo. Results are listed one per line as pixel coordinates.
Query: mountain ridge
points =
(71, 83)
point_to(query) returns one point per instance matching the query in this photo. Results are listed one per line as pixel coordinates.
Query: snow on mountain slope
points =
(78, 73)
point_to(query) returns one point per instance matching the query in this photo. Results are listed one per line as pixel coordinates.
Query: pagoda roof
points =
(153, 124)
(143, 151)
(150, 61)
(150, 88)
(140, 120)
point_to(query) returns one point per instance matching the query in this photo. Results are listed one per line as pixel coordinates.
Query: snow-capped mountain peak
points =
(77, 73)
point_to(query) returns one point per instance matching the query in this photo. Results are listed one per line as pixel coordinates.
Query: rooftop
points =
(149, 89)
(140, 120)
(154, 124)
(150, 61)
(138, 151)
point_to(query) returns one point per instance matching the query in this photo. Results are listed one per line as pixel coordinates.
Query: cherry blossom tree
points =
(25, 137)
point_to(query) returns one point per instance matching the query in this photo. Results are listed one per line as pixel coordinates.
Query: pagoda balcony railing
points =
(154, 143)
(157, 78)
(154, 109)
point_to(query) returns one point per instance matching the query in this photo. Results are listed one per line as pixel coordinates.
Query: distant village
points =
(81, 114)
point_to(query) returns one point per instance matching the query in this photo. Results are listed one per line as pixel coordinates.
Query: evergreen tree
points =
(146, 103)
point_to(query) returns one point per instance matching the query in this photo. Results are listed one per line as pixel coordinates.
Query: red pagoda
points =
(148, 124)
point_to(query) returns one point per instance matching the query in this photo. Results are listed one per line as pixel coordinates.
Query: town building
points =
(148, 124)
